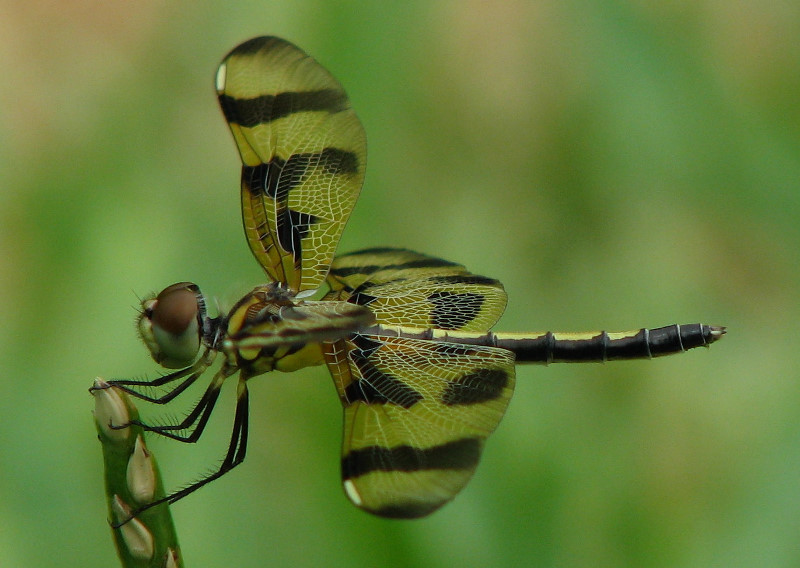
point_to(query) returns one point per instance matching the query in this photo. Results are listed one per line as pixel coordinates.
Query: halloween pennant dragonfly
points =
(406, 337)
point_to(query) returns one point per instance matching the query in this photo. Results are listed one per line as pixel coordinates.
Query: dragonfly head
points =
(172, 324)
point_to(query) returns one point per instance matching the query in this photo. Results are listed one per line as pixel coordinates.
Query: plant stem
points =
(132, 480)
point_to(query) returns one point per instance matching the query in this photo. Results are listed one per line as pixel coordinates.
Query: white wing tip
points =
(352, 493)
(222, 78)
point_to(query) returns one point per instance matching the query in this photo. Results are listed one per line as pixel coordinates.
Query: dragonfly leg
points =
(194, 373)
(196, 421)
(235, 455)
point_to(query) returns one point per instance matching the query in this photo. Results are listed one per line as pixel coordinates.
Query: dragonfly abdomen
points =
(592, 346)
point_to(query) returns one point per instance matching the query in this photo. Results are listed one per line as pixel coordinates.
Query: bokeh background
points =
(616, 164)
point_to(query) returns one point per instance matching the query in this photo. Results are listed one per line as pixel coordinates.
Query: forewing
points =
(405, 288)
(416, 416)
(303, 151)
(255, 327)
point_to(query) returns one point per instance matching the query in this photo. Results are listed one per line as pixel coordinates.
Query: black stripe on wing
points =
(267, 108)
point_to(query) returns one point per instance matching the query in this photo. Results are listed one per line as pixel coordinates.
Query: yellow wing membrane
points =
(303, 152)
(416, 416)
(405, 288)
(416, 412)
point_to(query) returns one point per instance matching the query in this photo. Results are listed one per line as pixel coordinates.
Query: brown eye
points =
(175, 309)
(170, 325)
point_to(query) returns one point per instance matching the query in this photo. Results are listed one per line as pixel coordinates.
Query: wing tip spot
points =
(352, 493)
(221, 78)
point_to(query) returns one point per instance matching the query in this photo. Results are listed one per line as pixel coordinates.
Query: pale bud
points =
(171, 561)
(141, 475)
(110, 410)
(137, 538)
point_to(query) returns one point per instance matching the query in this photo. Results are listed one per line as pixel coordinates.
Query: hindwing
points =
(416, 416)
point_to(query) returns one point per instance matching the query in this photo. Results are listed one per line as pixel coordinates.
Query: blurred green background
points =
(615, 164)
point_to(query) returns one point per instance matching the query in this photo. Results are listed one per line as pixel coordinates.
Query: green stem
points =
(132, 480)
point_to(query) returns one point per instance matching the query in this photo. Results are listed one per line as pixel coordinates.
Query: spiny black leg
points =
(235, 455)
(236, 448)
(241, 421)
(160, 399)
(199, 415)
(196, 370)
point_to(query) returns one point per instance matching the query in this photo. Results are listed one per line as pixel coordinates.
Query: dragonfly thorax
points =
(265, 331)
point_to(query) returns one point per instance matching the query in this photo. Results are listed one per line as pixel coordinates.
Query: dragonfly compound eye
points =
(170, 325)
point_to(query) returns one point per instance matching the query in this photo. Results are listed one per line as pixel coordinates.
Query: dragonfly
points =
(406, 337)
